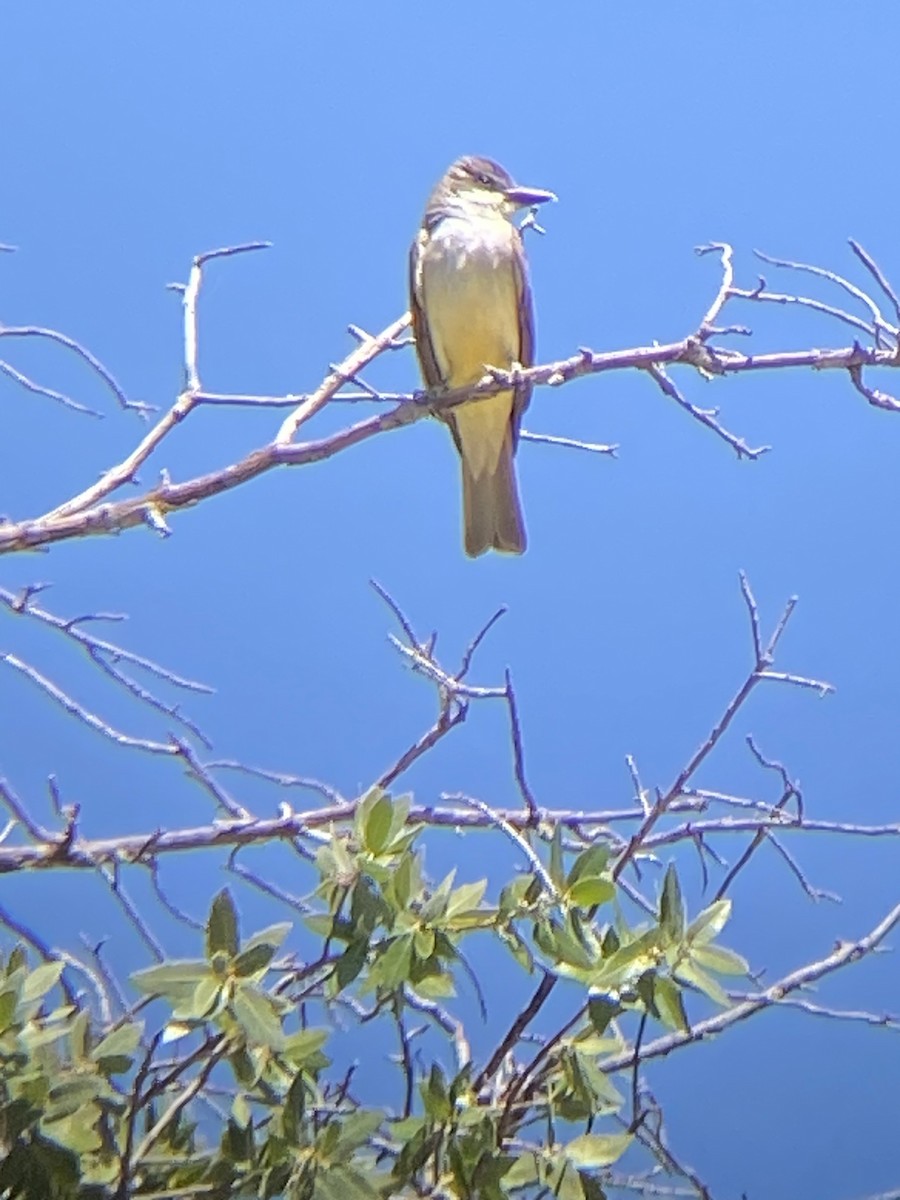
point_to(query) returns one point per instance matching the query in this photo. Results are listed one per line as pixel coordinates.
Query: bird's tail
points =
(492, 514)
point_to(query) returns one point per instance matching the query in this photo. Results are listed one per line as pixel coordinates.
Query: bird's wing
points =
(526, 343)
(424, 349)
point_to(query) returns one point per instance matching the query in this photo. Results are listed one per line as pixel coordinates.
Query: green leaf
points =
(437, 986)
(206, 1000)
(629, 962)
(368, 909)
(245, 1070)
(293, 1110)
(350, 963)
(256, 1015)
(424, 939)
(171, 979)
(512, 897)
(592, 861)
(720, 959)
(376, 825)
(240, 1110)
(435, 907)
(122, 1042)
(670, 1004)
(710, 923)
(556, 867)
(602, 1010)
(406, 882)
(434, 1095)
(565, 1182)
(33, 1036)
(276, 1180)
(273, 936)
(321, 924)
(39, 981)
(518, 949)
(222, 926)
(77, 1130)
(671, 906)
(597, 1149)
(71, 1094)
(401, 835)
(357, 1129)
(523, 1172)
(690, 972)
(79, 1036)
(466, 898)
(302, 1047)
(562, 945)
(9, 1002)
(253, 961)
(591, 890)
(237, 1142)
(342, 1183)
(392, 967)
(18, 960)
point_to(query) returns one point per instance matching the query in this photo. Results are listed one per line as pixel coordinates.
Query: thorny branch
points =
(500, 1081)
(683, 813)
(92, 512)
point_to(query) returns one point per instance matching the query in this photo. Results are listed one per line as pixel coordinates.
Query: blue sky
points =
(137, 136)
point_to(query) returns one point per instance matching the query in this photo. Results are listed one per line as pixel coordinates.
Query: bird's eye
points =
(483, 179)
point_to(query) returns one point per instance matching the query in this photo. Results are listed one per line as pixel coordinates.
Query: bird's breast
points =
(469, 290)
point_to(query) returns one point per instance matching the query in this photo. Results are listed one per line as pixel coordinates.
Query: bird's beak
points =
(524, 197)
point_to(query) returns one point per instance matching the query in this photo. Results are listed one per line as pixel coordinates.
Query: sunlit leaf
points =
(597, 1149)
(720, 959)
(690, 972)
(670, 1004)
(392, 967)
(304, 1045)
(342, 1183)
(710, 923)
(357, 1129)
(206, 999)
(350, 963)
(39, 981)
(171, 978)
(253, 961)
(274, 935)
(222, 926)
(602, 1010)
(77, 1130)
(466, 897)
(378, 824)
(591, 890)
(435, 907)
(671, 906)
(256, 1016)
(590, 862)
(424, 939)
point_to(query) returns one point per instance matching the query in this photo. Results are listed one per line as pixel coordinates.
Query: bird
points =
(471, 306)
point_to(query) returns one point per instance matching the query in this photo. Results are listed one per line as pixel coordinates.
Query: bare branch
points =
(877, 274)
(570, 443)
(71, 706)
(705, 416)
(348, 370)
(51, 335)
(878, 326)
(29, 384)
